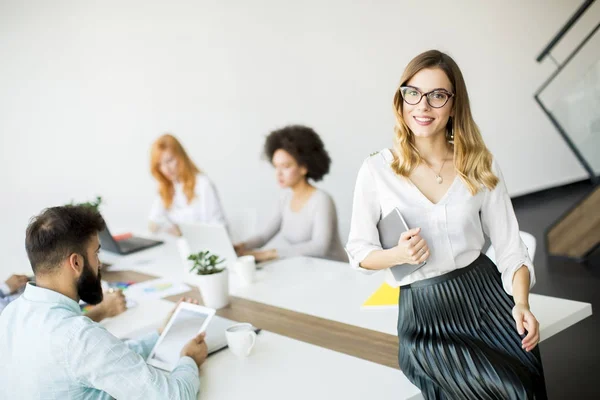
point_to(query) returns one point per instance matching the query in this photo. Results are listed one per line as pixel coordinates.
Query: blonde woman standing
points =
(464, 325)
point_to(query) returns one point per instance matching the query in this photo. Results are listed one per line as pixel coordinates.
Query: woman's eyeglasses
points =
(436, 98)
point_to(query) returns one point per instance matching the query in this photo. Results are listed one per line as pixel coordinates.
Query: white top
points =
(312, 231)
(204, 208)
(453, 228)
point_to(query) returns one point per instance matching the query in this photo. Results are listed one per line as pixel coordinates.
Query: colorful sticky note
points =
(86, 308)
(120, 285)
(385, 296)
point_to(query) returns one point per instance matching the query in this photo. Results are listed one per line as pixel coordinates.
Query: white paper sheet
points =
(156, 289)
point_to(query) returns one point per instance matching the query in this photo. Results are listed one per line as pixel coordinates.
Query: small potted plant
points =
(211, 277)
(94, 204)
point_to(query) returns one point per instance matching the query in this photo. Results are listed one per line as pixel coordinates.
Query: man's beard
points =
(89, 286)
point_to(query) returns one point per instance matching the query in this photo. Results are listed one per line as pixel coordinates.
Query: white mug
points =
(241, 339)
(245, 266)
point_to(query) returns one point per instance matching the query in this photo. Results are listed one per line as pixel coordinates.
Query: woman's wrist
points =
(397, 256)
(272, 254)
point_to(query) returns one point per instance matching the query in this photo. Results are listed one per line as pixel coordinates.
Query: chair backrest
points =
(527, 238)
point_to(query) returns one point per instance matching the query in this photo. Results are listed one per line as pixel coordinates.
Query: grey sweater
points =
(312, 231)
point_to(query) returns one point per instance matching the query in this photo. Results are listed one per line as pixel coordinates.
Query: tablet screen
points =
(186, 324)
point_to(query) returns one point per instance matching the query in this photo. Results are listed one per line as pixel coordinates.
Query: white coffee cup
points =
(241, 339)
(245, 267)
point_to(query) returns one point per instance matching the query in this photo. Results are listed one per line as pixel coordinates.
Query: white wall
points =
(85, 87)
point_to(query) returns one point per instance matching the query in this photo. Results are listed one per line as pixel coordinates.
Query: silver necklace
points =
(438, 177)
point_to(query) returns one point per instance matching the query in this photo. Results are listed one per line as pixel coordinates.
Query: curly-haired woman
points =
(305, 217)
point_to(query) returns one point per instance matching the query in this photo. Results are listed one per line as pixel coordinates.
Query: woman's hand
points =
(153, 227)
(240, 249)
(526, 321)
(259, 255)
(412, 248)
(262, 255)
(174, 230)
(113, 304)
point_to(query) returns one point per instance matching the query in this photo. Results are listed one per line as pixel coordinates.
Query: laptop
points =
(125, 246)
(390, 228)
(211, 237)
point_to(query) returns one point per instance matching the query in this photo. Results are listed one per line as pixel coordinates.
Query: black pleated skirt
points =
(458, 339)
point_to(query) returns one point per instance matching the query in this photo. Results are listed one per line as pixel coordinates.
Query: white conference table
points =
(329, 289)
(280, 366)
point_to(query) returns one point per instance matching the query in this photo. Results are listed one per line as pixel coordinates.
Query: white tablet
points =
(187, 321)
(390, 228)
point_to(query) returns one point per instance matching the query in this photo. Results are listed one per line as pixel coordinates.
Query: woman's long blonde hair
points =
(472, 159)
(186, 169)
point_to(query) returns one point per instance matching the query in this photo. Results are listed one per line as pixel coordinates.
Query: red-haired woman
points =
(185, 194)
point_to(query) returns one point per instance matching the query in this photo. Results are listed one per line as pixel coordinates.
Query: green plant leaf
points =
(205, 263)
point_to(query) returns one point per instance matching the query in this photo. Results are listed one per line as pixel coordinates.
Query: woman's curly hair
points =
(302, 143)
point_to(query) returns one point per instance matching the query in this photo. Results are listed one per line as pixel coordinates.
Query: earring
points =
(450, 133)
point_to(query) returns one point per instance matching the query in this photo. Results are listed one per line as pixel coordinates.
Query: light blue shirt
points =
(49, 350)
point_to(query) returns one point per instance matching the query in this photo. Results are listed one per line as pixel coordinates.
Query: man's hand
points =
(181, 300)
(16, 282)
(196, 349)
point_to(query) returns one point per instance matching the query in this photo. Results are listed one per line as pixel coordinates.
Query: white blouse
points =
(205, 207)
(453, 227)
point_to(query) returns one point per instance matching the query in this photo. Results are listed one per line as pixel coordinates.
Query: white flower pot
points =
(214, 289)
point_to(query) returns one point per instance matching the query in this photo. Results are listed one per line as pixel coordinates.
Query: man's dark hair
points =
(58, 232)
(305, 145)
